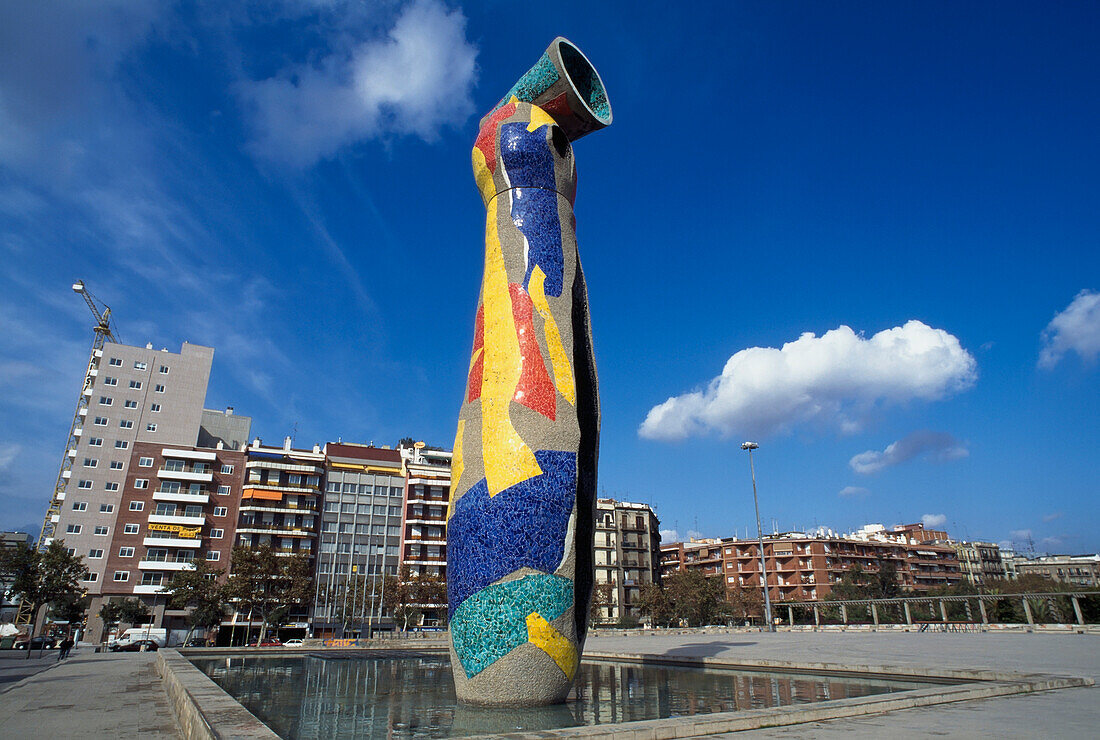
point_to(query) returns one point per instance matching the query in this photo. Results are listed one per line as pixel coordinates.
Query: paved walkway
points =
(14, 665)
(89, 695)
(1070, 713)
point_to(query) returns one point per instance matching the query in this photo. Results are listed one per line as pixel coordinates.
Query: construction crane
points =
(104, 332)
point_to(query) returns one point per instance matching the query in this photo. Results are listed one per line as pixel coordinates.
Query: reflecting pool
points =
(411, 695)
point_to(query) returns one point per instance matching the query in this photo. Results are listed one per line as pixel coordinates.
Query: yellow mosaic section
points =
(539, 117)
(456, 466)
(545, 637)
(563, 373)
(508, 459)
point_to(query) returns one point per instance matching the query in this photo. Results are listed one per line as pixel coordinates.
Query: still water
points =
(412, 696)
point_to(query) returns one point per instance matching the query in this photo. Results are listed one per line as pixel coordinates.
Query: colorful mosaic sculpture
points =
(521, 518)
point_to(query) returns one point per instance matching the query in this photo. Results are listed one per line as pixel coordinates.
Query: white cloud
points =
(853, 492)
(1019, 535)
(1052, 516)
(694, 534)
(934, 520)
(1075, 329)
(415, 81)
(936, 446)
(8, 453)
(670, 535)
(833, 379)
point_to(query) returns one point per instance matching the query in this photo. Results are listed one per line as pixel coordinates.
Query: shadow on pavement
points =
(705, 649)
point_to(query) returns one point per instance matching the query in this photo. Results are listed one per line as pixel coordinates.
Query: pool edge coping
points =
(203, 708)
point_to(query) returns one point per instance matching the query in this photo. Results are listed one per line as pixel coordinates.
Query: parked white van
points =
(139, 634)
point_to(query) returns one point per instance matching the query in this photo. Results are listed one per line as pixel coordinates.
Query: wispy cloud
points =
(934, 521)
(1074, 329)
(414, 80)
(833, 379)
(925, 444)
(853, 492)
(670, 535)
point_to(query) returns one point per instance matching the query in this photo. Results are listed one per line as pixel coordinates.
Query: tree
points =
(200, 592)
(603, 595)
(268, 584)
(39, 577)
(407, 596)
(654, 602)
(133, 611)
(406, 442)
(697, 599)
(745, 603)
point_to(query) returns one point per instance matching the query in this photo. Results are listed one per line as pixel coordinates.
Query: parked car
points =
(37, 643)
(137, 646)
(195, 642)
(268, 642)
(295, 643)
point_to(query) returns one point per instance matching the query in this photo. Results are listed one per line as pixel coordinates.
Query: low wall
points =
(203, 710)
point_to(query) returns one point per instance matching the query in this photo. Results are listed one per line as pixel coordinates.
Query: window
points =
(220, 510)
(80, 505)
(130, 529)
(110, 381)
(145, 462)
(121, 444)
(163, 369)
(92, 577)
(125, 424)
(350, 488)
(101, 531)
(73, 529)
(71, 550)
(332, 506)
(141, 483)
(192, 510)
(101, 421)
(196, 489)
(152, 579)
(150, 427)
(105, 400)
(213, 555)
(333, 487)
(95, 441)
(130, 405)
(294, 479)
(159, 389)
(91, 462)
(227, 470)
(115, 362)
(135, 385)
(223, 490)
(84, 484)
(140, 366)
(126, 552)
(216, 534)
(116, 465)
(122, 575)
(95, 554)
(166, 510)
(110, 486)
(137, 505)
(169, 486)
(155, 408)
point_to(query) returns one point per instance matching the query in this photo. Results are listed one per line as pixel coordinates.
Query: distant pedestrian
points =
(64, 648)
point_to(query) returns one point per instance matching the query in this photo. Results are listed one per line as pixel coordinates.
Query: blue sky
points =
(914, 184)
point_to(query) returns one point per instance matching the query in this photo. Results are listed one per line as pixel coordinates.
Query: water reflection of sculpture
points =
(521, 521)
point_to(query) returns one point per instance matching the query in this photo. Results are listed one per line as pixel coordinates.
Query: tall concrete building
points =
(360, 538)
(134, 394)
(424, 525)
(980, 562)
(627, 556)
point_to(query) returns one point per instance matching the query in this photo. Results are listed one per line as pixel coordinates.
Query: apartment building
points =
(1075, 570)
(627, 556)
(424, 523)
(804, 567)
(178, 505)
(980, 562)
(360, 538)
(134, 395)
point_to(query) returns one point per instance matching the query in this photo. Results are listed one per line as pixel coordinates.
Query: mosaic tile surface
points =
(520, 568)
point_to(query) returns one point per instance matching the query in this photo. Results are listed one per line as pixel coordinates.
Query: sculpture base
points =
(526, 677)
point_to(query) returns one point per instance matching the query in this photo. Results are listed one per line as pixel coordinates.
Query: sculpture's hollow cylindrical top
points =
(567, 86)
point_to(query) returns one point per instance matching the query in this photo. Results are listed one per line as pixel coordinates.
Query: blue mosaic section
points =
(529, 163)
(493, 622)
(533, 83)
(525, 525)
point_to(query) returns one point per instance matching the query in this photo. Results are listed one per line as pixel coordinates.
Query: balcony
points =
(189, 454)
(165, 565)
(187, 475)
(277, 507)
(172, 542)
(148, 589)
(185, 521)
(277, 529)
(181, 497)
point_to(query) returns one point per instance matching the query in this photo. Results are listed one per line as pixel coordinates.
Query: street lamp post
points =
(750, 446)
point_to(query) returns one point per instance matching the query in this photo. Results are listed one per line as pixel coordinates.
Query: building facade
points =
(9, 606)
(980, 562)
(135, 395)
(360, 538)
(424, 521)
(627, 557)
(1075, 570)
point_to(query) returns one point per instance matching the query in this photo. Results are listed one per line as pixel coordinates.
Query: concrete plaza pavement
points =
(15, 666)
(89, 695)
(1068, 713)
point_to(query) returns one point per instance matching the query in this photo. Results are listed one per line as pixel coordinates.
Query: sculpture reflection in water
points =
(521, 516)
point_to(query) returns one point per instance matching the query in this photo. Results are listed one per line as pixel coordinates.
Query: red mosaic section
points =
(535, 390)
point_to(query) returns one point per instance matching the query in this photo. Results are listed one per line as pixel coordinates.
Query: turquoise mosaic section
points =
(533, 83)
(493, 622)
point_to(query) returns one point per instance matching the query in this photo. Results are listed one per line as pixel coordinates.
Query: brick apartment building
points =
(804, 567)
